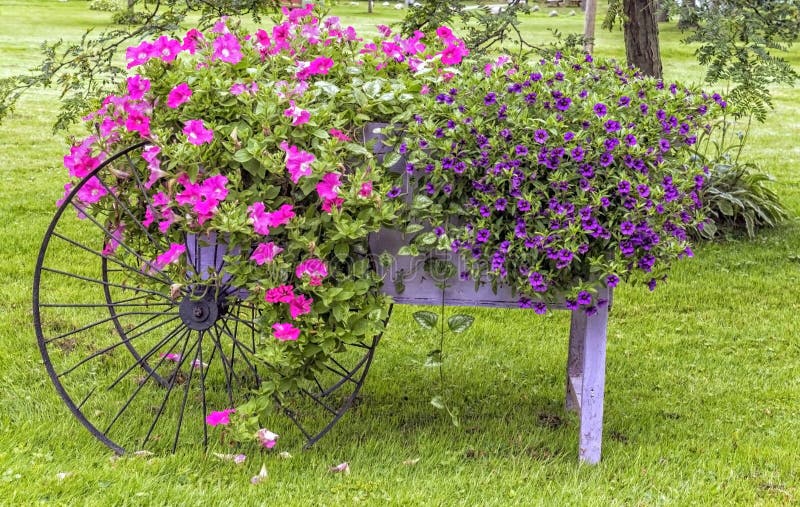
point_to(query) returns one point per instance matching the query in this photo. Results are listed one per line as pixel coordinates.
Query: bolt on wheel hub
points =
(200, 314)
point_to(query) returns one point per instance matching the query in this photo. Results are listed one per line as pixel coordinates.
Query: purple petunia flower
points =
(600, 109)
(394, 192)
(606, 159)
(627, 228)
(563, 103)
(521, 150)
(612, 126)
(540, 136)
(490, 99)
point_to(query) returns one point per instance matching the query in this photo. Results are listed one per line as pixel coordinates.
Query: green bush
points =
(738, 199)
(104, 5)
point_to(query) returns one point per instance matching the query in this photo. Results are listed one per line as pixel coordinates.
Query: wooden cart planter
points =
(133, 352)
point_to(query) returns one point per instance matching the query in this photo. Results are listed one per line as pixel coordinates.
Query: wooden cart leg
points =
(577, 331)
(586, 377)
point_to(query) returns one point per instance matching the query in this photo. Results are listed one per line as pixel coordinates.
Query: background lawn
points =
(703, 390)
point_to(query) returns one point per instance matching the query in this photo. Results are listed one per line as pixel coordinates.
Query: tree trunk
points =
(641, 36)
(369, 6)
(130, 5)
(590, 6)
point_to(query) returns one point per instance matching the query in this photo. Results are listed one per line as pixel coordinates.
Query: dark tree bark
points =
(369, 6)
(641, 36)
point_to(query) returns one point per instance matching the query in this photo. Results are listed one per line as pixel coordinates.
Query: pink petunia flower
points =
(80, 161)
(171, 255)
(454, 53)
(226, 48)
(115, 240)
(267, 438)
(285, 331)
(92, 191)
(179, 95)
(281, 216)
(172, 356)
(197, 133)
(150, 154)
(259, 218)
(320, 65)
(139, 55)
(298, 162)
(299, 115)
(221, 417)
(366, 189)
(315, 269)
(280, 294)
(166, 48)
(137, 87)
(190, 42)
(445, 33)
(300, 305)
(138, 122)
(265, 252)
(238, 88)
(328, 188)
(338, 134)
(329, 204)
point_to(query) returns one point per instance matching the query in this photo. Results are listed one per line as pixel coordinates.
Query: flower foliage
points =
(252, 139)
(556, 177)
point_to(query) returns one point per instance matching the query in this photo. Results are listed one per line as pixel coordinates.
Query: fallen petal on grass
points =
(284, 455)
(411, 462)
(261, 477)
(341, 468)
(236, 458)
(63, 475)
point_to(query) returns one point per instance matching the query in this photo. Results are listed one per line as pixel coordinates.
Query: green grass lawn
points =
(703, 389)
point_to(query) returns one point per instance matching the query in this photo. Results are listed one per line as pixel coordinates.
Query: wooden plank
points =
(575, 384)
(593, 387)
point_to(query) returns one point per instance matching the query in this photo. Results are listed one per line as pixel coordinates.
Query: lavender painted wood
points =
(577, 332)
(593, 387)
(408, 283)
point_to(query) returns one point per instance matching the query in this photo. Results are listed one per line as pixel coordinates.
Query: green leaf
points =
(329, 88)
(434, 359)
(459, 323)
(391, 159)
(242, 156)
(411, 250)
(412, 228)
(357, 149)
(372, 88)
(437, 402)
(342, 250)
(421, 201)
(426, 239)
(725, 207)
(426, 319)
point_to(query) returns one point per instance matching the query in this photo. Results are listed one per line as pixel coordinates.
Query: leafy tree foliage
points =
(484, 26)
(738, 39)
(93, 65)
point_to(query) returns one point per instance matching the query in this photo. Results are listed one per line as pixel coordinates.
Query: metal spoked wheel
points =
(141, 356)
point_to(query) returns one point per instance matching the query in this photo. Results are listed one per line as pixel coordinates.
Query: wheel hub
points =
(200, 312)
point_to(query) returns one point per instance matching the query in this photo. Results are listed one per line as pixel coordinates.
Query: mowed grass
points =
(703, 389)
